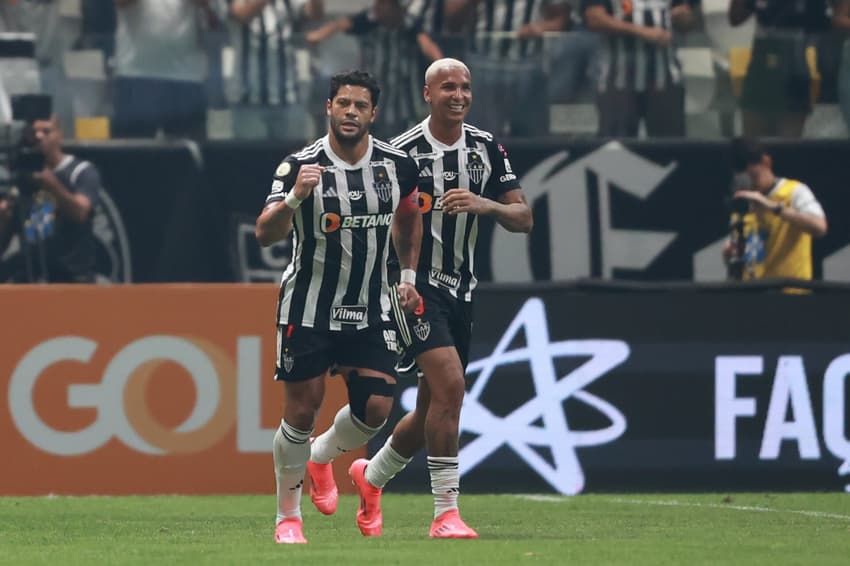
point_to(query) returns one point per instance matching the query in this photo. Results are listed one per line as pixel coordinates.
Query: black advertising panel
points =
(637, 210)
(572, 391)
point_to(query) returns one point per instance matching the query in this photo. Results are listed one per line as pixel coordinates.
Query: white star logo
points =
(516, 429)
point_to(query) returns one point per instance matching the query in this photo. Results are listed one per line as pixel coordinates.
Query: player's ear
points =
(328, 104)
(374, 114)
(426, 94)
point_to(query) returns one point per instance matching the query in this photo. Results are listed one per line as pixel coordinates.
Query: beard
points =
(347, 139)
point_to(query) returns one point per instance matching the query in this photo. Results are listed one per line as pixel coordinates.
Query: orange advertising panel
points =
(142, 389)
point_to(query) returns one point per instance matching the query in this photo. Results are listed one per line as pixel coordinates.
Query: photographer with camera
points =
(773, 219)
(51, 211)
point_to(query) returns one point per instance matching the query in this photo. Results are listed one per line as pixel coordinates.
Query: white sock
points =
(291, 452)
(385, 465)
(445, 483)
(347, 433)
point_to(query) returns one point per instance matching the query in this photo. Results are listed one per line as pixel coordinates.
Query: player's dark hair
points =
(746, 151)
(355, 78)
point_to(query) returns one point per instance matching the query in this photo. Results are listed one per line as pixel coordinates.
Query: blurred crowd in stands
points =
(258, 69)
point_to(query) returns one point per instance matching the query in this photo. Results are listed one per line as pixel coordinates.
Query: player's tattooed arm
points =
(407, 238)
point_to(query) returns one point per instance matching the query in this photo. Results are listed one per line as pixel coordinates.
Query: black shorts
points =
(304, 353)
(441, 320)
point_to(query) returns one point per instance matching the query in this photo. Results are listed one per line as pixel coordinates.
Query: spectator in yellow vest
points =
(783, 217)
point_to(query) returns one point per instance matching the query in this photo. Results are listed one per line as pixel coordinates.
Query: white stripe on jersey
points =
(81, 166)
(371, 236)
(310, 151)
(384, 146)
(437, 218)
(288, 279)
(407, 136)
(318, 259)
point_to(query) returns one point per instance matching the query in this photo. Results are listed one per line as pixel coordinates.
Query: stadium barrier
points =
(578, 387)
(613, 386)
(647, 210)
(142, 389)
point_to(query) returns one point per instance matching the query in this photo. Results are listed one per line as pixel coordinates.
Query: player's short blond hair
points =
(444, 63)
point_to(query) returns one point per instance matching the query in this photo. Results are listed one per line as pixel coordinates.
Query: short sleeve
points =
(803, 200)
(408, 175)
(502, 179)
(87, 182)
(284, 179)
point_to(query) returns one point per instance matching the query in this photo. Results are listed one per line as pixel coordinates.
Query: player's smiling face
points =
(449, 92)
(351, 112)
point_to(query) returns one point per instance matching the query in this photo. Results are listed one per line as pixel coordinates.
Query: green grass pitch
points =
(629, 529)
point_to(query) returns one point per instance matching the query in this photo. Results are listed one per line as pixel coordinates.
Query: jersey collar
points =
(437, 144)
(341, 163)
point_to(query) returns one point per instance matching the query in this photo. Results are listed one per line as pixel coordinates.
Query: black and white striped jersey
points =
(392, 55)
(627, 63)
(337, 278)
(265, 62)
(475, 162)
(428, 15)
(498, 20)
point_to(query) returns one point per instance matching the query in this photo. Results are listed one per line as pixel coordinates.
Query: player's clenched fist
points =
(408, 297)
(308, 177)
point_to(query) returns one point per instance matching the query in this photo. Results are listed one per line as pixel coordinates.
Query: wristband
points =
(291, 200)
(408, 276)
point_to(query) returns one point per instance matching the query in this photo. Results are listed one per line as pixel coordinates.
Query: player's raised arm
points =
(292, 185)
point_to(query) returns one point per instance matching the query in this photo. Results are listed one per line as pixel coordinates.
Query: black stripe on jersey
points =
(305, 269)
(526, 18)
(489, 10)
(377, 276)
(437, 22)
(450, 164)
(426, 188)
(507, 25)
(333, 257)
(649, 51)
(359, 238)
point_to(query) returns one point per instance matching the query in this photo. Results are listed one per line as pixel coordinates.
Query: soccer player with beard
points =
(463, 174)
(341, 198)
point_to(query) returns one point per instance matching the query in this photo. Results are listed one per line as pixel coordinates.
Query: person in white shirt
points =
(161, 65)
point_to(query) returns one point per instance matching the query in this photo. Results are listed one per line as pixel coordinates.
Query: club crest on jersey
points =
(288, 362)
(382, 183)
(422, 329)
(475, 167)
